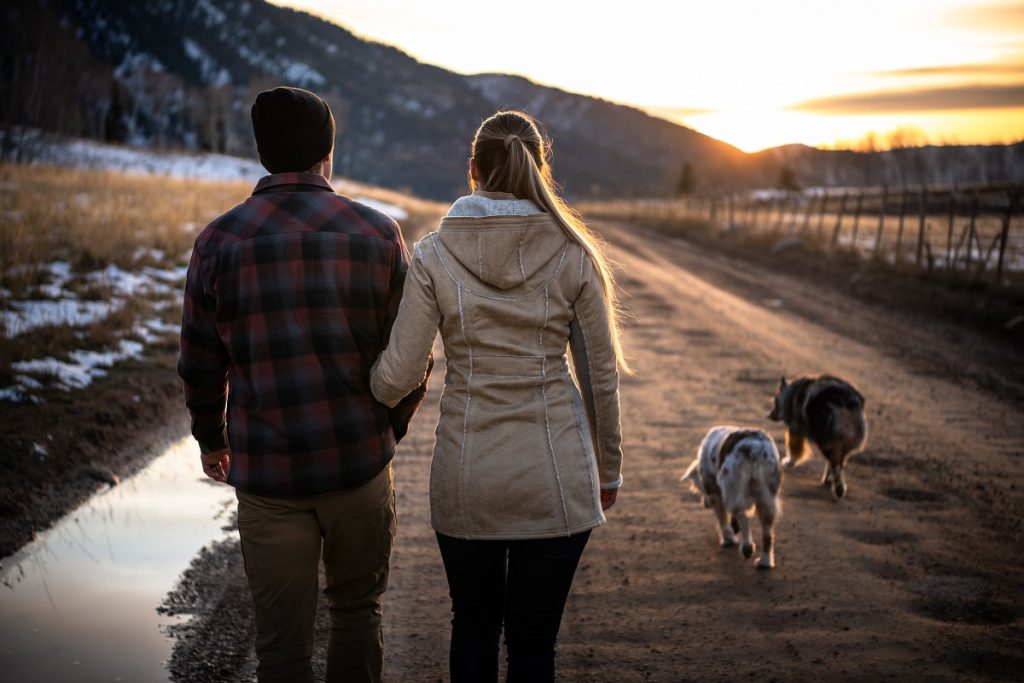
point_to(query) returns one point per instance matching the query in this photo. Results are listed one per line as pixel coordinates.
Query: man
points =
(289, 299)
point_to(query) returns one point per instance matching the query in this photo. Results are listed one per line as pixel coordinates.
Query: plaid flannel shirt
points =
(289, 299)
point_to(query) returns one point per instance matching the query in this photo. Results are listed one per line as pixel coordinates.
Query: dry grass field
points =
(92, 259)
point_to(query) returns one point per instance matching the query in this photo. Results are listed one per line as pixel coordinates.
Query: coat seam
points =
(598, 421)
(519, 254)
(494, 297)
(544, 399)
(465, 418)
(579, 430)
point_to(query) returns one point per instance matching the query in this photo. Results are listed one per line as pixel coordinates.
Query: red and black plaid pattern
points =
(289, 299)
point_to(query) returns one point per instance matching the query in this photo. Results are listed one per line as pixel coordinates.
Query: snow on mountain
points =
(89, 154)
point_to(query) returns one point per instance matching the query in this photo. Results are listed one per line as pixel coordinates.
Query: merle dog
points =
(737, 469)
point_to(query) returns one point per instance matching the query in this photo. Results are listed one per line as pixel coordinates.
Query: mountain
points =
(182, 74)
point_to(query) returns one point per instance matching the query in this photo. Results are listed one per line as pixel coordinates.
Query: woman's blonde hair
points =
(512, 156)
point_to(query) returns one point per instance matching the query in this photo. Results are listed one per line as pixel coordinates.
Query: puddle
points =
(79, 602)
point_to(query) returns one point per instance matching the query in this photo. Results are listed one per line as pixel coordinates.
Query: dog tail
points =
(691, 475)
(849, 425)
(691, 471)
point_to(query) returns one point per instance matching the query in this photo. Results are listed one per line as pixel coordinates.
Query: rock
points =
(101, 474)
(787, 244)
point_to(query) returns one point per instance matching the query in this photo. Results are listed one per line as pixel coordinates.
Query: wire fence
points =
(970, 232)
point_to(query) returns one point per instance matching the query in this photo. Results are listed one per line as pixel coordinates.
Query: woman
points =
(522, 468)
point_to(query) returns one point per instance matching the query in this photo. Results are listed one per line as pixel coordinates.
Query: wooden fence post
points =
(807, 214)
(821, 216)
(949, 231)
(839, 221)
(881, 220)
(920, 229)
(1005, 233)
(856, 220)
(970, 233)
(899, 231)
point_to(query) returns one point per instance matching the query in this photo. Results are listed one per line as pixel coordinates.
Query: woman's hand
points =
(608, 498)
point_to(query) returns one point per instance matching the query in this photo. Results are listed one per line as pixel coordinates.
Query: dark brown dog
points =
(828, 412)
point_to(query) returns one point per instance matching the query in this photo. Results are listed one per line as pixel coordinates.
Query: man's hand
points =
(217, 463)
(608, 498)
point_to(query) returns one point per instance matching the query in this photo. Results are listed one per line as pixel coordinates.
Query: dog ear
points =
(782, 382)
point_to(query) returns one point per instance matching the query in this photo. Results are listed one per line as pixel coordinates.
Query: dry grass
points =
(424, 214)
(95, 218)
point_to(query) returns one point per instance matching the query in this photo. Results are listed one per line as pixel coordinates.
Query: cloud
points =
(1003, 17)
(679, 112)
(958, 70)
(928, 99)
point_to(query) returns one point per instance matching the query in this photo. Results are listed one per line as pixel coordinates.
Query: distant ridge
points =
(177, 73)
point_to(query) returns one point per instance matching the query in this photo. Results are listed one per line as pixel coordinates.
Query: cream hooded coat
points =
(518, 452)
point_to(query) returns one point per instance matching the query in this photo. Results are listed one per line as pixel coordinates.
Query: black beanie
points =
(294, 129)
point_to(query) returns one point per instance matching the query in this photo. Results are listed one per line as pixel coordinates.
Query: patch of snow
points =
(84, 366)
(154, 330)
(137, 62)
(148, 253)
(158, 325)
(64, 308)
(89, 154)
(300, 73)
(33, 313)
(122, 281)
(214, 15)
(767, 194)
(27, 382)
(16, 394)
(396, 212)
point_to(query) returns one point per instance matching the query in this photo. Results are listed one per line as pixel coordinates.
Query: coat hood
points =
(506, 251)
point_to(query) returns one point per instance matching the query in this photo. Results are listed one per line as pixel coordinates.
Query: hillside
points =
(184, 73)
(181, 74)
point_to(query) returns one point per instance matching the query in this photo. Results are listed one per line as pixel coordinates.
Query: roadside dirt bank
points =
(57, 454)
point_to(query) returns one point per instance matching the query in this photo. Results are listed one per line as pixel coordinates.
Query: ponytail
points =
(511, 156)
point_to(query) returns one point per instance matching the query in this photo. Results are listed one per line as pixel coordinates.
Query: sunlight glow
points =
(745, 64)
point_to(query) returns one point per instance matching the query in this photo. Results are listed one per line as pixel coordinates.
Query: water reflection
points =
(79, 603)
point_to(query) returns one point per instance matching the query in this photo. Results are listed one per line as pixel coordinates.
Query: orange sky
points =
(754, 74)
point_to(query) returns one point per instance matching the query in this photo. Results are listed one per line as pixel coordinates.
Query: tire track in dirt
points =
(914, 573)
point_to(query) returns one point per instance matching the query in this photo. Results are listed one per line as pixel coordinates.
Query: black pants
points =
(523, 584)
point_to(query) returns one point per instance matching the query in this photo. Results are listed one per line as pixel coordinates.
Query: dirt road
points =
(917, 572)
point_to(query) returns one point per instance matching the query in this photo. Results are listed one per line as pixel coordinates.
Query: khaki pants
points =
(282, 542)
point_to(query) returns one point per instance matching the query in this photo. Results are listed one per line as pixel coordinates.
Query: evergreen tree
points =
(115, 129)
(787, 179)
(687, 180)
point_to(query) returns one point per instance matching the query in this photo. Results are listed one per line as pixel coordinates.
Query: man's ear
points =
(327, 165)
(474, 170)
